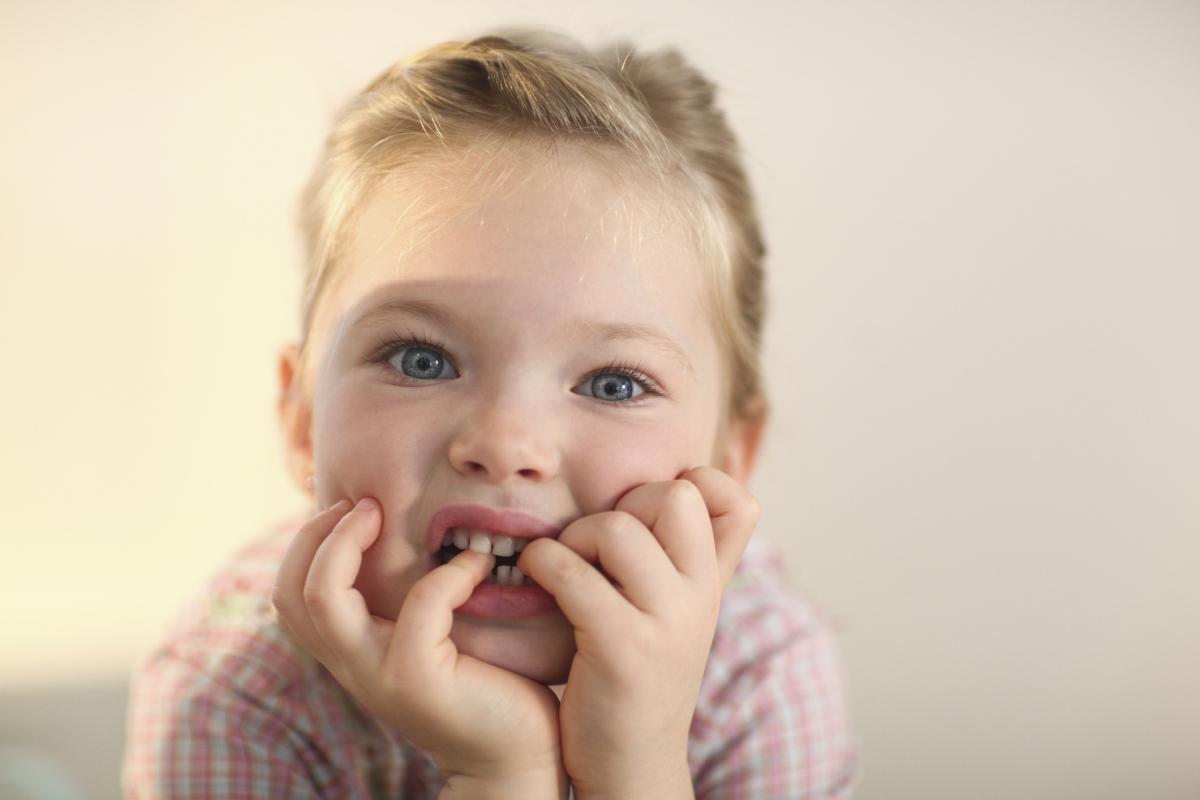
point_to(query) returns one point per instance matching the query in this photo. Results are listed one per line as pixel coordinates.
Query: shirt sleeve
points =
(772, 719)
(192, 735)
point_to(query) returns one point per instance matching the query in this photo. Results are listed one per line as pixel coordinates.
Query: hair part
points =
(648, 116)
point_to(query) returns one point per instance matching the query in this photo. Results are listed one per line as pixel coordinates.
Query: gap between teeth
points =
(484, 542)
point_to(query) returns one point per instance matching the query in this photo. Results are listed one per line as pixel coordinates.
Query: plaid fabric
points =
(227, 707)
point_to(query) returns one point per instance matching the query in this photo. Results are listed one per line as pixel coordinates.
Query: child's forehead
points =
(541, 276)
(569, 226)
(515, 184)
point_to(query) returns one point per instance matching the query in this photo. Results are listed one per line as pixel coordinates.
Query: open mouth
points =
(506, 549)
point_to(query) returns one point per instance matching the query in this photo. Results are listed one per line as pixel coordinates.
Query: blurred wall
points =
(984, 231)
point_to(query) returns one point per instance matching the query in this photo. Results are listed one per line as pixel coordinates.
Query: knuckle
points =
(754, 508)
(683, 492)
(568, 569)
(316, 601)
(281, 601)
(619, 524)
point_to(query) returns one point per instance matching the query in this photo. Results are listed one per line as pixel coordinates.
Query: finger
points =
(627, 552)
(676, 513)
(734, 513)
(288, 593)
(590, 603)
(337, 609)
(421, 643)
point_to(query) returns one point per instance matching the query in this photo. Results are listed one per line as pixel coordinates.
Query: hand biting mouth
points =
(506, 549)
(502, 532)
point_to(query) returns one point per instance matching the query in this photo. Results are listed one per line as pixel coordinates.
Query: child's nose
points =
(498, 444)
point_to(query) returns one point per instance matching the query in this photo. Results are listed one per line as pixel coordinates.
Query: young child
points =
(525, 402)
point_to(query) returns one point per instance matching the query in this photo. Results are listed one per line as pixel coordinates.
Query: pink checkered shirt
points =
(228, 707)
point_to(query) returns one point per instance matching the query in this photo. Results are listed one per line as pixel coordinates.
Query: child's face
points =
(527, 281)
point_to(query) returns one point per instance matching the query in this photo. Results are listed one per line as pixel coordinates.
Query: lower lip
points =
(492, 600)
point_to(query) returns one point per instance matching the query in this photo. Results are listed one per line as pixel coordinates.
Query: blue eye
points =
(421, 361)
(614, 387)
(621, 385)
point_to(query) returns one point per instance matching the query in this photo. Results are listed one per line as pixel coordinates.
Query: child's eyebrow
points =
(611, 331)
(597, 329)
(400, 306)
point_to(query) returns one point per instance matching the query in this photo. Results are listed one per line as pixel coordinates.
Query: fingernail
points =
(365, 504)
(342, 506)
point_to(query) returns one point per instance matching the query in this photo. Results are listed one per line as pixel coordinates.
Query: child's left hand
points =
(669, 549)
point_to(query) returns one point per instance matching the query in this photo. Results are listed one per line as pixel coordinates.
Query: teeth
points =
(483, 542)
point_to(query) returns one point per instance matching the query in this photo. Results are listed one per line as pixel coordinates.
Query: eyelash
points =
(390, 345)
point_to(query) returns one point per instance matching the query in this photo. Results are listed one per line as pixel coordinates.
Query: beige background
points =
(984, 221)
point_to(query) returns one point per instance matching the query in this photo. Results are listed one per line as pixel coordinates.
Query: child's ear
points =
(741, 443)
(295, 418)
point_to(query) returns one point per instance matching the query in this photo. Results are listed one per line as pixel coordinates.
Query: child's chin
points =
(542, 655)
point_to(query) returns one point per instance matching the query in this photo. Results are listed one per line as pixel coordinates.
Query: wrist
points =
(673, 782)
(543, 779)
(549, 783)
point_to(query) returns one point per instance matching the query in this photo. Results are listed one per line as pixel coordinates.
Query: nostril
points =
(479, 469)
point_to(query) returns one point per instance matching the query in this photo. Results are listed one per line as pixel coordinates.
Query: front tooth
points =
(481, 542)
(461, 538)
(502, 575)
(502, 546)
(516, 576)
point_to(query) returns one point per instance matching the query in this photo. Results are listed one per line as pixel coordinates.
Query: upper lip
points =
(498, 521)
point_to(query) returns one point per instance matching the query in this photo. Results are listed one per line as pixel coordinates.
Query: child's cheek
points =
(370, 447)
(614, 459)
(367, 446)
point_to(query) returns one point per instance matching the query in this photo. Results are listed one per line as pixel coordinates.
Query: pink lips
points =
(497, 521)
(494, 600)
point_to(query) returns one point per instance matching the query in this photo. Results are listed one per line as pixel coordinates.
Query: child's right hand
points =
(487, 728)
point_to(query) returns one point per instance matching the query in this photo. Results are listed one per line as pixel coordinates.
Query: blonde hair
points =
(655, 107)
